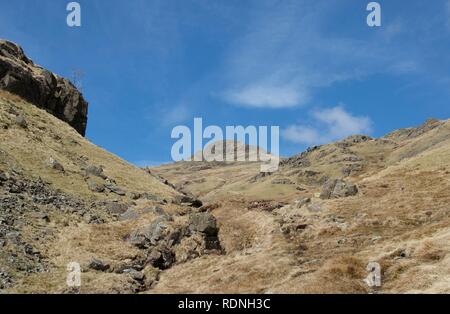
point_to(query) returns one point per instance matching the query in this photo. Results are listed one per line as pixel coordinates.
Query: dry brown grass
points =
(400, 217)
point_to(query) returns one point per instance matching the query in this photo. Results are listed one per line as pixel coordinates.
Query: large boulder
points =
(337, 188)
(204, 223)
(20, 76)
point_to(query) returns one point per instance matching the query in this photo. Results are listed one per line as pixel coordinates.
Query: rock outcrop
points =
(338, 188)
(20, 76)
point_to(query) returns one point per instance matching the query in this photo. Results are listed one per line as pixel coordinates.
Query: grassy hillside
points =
(278, 243)
(311, 227)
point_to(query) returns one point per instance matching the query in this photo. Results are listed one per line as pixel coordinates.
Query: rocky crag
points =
(20, 76)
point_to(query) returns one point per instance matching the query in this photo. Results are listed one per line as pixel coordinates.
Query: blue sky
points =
(312, 67)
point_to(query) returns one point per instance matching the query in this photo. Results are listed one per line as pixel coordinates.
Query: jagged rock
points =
(156, 231)
(158, 211)
(337, 188)
(209, 207)
(6, 279)
(54, 164)
(134, 274)
(99, 265)
(116, 208)
(161, 257)
(130, 214)
(115, 189)
(190, 248)
(302, 202)
(133, 195)
(188, 200)
(42, 216)
(314, 207)
(151, 197)
(327, 189)
(204, 223)
(352, 140)
(4, 176)
(282, 181)
(151, 276)
(265, 205)
(349, 169)
(150, 235)
(95, 171)
(20, 76)
(404, 134)
(20, 121)
(95, 186)
(259, 176)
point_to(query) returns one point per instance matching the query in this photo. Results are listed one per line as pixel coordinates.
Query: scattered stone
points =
(161, 257)
(134, 196)
(302, 202)
(130, 214)
(134, 274)
(95, 186)
(149, 235)
(115, 189)
(203, 222)
(150, 197)
(30, 250)
(314, 207)
(156, 230)
(42, 216)
(209, 207)
(337, 188)
(188, 200)
(95, 171)
(151, 276)
(352, 168)
(344, 189)
(265, 205)
(54, 164)
(20, 121)
(158, 211)
(4, 176)
(96, 264)
(190, 248)
(282, 181)
(116, 208)
(352, 140)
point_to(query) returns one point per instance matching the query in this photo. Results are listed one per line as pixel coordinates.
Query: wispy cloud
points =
(286, 56)
(261, 95)
(171, 115)
(328, 125)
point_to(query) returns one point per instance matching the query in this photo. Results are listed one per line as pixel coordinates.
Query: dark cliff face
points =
(19, 75)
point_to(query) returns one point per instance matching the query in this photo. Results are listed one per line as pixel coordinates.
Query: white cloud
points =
(267, 96)
(302, 134)
(329, 125)
(172, 115)
(286, 55)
